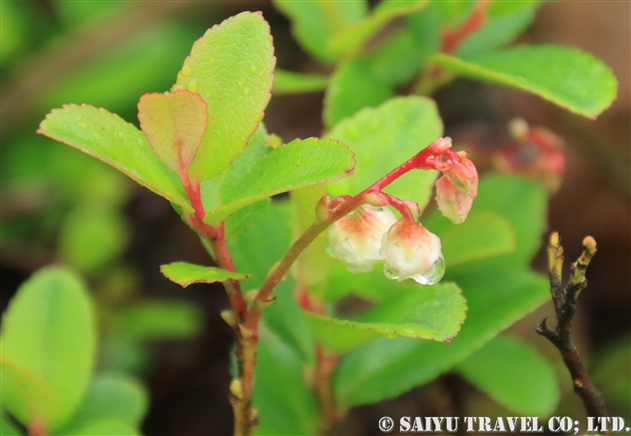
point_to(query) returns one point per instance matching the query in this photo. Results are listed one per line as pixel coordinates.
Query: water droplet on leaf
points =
(246, 90)
(186, 70)
(82, 125)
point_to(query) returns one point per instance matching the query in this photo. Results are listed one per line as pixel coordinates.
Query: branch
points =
(564, 300)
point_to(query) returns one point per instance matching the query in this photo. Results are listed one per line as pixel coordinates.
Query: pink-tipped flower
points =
(356, 238)
(463, 174)
(452, 202)
(412, 252)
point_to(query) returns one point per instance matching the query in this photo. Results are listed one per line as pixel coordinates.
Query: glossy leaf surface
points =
(432, 312)
(565, 76)
(109, 138)
(184, 273)
(231, 68)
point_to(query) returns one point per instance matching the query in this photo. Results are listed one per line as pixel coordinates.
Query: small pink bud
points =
(463, 175)
(356, 238)
(453, 203)
(412, 252)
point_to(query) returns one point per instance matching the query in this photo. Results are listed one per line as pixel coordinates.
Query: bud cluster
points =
(372, 233)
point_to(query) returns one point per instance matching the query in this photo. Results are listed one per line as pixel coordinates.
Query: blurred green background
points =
(59, 205)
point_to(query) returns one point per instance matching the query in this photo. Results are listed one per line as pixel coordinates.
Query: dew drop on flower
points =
(429, 277)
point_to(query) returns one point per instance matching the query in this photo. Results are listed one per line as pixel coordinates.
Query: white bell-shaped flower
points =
(356, 238)
(412, 252)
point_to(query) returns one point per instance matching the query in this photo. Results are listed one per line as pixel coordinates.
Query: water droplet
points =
(252, 69)
(186, 70)
(82, 125)
(433, 275)
(96, 136)
(120, 134)
(246, 90)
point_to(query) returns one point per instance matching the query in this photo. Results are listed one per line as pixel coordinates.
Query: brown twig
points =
(564, 299)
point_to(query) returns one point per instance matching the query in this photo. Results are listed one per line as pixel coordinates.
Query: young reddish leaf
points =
(174, 124)
(231, 68)
(185, 274)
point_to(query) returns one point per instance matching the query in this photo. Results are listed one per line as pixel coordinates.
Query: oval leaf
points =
(49, 330)
(565, 76)
(231, 68)
(296, 165)
(27, 396)
(386, 368)
(185, 274)
(109, 397)
(497, 367)
(174, 124)
(432, 312)
(109, 138)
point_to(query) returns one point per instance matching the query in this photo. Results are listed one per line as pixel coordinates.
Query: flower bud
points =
(356, 238)
(464, 176)
(412, 252)
(453, 203)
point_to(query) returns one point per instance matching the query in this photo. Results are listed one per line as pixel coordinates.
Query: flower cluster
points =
(371, 233)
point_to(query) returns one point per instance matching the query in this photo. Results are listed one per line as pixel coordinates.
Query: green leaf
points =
(109, 138)
(287, 82)
(242, 220)
(92, 237)
(49, 331)
(526, 216)
(385, 137)
(184, 273)
(432, 312)
(26, 395)
(565, 76)
(7, 428)
(505, 21)
(352, 87)
(349, 40)
(231, 68)
(174, 124)
(499, 369)
(110, 397)
(285, 404)
(314, 263)
(386, 368)
(315, 22)
(159, 319)
(296, 165)
(106, 428)
(264, 245)
(484, 234)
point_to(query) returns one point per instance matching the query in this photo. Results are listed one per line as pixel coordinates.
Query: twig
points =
(564, 300)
